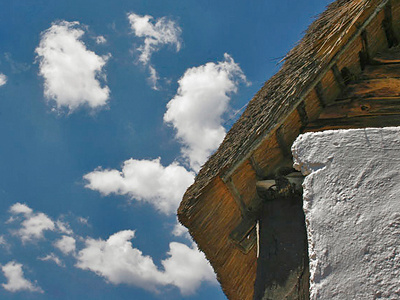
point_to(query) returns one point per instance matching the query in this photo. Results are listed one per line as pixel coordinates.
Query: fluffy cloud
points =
(101, 40)
(71, 72)
(15, 279)
(144, 180)
(66, 244)
(156, 33)
(119, 263)
(3, 79)
(162, 32)
(54, 258)
(34, 225)
(196, 110)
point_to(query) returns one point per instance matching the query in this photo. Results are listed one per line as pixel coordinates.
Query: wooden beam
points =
(391, 56)
(388, 26)
(236, 196)
(362, 107)
(372, 88)
(381, 71)
(338, 76)
(301, 109)
(356, 122)
(280, 137)
(320, 94)
(364, 56)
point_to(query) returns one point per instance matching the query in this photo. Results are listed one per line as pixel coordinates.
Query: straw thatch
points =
(281, 93)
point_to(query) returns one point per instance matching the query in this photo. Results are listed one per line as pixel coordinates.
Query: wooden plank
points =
(280, 137)
(319, 90)
(236, 196)
(244, 180)
(388, 26)
(376, 36)
(362, 107)
(356, 122)
(338, 76)
(390, 56)
(396, 18)
(312, 105)
(351, 59)
(372, 88)
(301, 110)
(381, 71)
(364, 53)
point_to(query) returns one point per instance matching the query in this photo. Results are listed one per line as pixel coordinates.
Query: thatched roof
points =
(280, 94)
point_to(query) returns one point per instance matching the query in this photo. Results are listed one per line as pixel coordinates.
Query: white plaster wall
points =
(352, 207)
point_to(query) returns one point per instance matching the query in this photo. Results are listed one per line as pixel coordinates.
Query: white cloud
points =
(19, 208)
(119, 263)
(54, 258)
(64, 227)
(34, 225)
(84, 221)
(101, 40)
(187, 268)
(66, 244)
(156, 33)
(144, 180)
(15, 279)
(180, 230)
(153, 78)
(71, 72)
(197, 109)
(162, 32)
(3, 79)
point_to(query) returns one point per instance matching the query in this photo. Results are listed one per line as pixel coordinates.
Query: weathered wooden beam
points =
(236, 196)
(319, 90)
(362, 107)
(390, 56)
(381, 71)
(259, 171)
(388, 26)
(280, 137)
(364, 56)
(244, 236)
(302, 111)
(338, 76)
(355, 122)
(372, 88)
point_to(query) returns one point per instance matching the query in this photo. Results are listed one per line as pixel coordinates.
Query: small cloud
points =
(182, 231)
(71, 72)
(144, 180)
(19, 208)
(156, 33)
(84, 221)
(15, 279)
(64, 227)
(3, 79)
(54, 258)
(66, 244)
(34, 225)
(4, 244)
(197, 109)
(119, 263)
(101, 40)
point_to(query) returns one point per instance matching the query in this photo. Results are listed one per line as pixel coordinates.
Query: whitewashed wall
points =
(352, 207)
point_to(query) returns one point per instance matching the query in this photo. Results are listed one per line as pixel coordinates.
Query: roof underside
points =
(281, 93)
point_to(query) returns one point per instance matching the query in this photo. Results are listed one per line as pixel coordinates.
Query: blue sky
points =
(107, 111)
